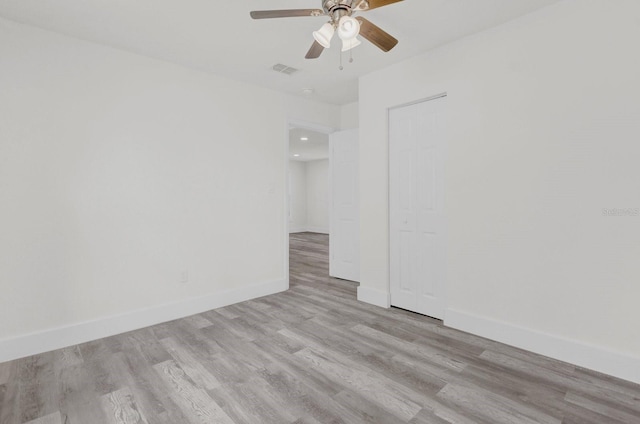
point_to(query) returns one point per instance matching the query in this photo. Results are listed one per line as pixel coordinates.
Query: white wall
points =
(349, 117)
(318, 196)
(298, 193)
(118, 173)
(543, 134)
(309, 182)
(316, 116)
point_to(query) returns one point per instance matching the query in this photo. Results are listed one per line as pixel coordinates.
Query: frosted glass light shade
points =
(324, 34)
(349, 44)
(348, 28)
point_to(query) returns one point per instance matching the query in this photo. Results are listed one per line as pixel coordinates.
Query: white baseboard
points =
(319, 230)
(593, 357)
(296, 229)
(374, 297)
(57, 338)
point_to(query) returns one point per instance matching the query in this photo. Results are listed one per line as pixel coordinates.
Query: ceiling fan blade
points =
(315, 51)
(287, 13)
(375, 35)
(374, 4)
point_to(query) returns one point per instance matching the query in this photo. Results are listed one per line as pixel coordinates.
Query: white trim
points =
(585, 355)
(330, 205)
(70, 335)
(374, 297)
(319, 230)
(415, 102)
(287, 213)
(332, 218)
(297, 229)
(297, 123)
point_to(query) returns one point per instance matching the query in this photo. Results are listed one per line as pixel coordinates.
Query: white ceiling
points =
(219, 36)
(314, 148)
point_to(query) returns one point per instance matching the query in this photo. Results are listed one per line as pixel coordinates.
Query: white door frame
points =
(296, 123)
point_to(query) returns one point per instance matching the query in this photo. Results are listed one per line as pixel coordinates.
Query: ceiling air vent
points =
(284, 69)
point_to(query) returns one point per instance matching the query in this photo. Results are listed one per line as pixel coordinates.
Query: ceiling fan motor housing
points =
(336, 9)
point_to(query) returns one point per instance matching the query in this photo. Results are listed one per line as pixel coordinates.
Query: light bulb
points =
(324, 34)
(349, 44)
(348, 28)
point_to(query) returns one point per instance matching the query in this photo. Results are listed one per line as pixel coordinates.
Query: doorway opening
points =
(322, 194)
(308, 181)
(305, 142)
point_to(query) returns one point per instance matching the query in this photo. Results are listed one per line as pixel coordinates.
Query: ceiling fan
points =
(340, 14)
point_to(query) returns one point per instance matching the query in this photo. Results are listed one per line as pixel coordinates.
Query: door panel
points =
(416, 206)
(427, 174)
(427, 264)
(406, 264)
(344, 239)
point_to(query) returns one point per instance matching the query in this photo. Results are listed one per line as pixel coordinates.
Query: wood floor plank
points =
(120, 408)
(38, 393)
(246, 405)
(607, 388)
(78, 403)
(198, 321)
(313, 354)
(492, 407)
(428, 417)
(574, 414)
(236, 408)
(308, 403)
(191, 366)
(9, 402)
(285, 360)
(265, 395)
(416, 378)
(130, 369)
(194, 401)
(5, 372)
(148, 345)
(392, 397)
(196, 341)
(368, 411)
(227, 312)
(421, 353)
(105, 373)
(54, 418)
(529, 370)
(70, 356)
(546, 397)
(604, 408)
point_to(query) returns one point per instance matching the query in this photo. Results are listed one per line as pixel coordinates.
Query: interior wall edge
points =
(596, 358)
(70, 335)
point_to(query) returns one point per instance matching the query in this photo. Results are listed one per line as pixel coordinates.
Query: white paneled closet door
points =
(416, 207)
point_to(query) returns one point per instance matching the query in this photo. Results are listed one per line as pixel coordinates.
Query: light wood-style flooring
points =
(310, 355)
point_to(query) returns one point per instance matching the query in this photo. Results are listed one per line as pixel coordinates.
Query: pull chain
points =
(350, 58)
